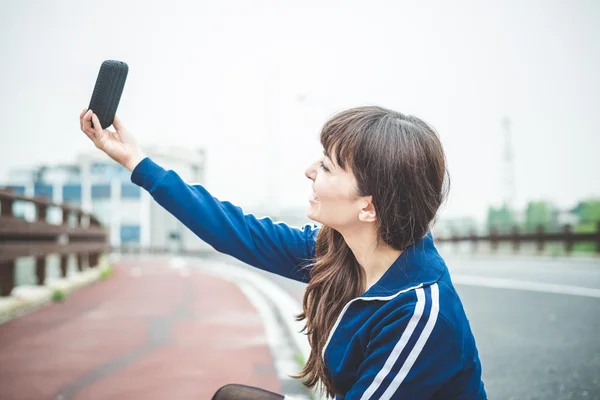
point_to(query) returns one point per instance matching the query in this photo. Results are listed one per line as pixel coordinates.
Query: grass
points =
(58, 295)
(299, 359)
(106, 272)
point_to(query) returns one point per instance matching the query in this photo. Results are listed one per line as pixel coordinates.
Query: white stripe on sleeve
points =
(412, 357)
(397, 350)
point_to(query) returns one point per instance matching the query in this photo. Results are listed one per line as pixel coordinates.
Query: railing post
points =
(79, 262)
(64, 258)
(598, 238)
(41, 211)
(7, 277)
(494, 239)
(540, 238)
(94, 221)
(40, 262)
(6, 207)
(65, 216)
(79, 223)
(473, 241)
(63, 265)
(568, 238)
(40, 270)
(94, 259)
(454, 239)
(516, 239)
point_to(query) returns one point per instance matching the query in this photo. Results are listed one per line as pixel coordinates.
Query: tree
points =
(588, 215)
(540, 213)
(587, 211)
(502, 218)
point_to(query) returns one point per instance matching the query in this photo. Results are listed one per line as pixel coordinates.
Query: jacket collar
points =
(420, 264)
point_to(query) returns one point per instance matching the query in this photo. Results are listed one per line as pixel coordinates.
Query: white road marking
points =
(184, 272)
(177, 262)
(501, 283)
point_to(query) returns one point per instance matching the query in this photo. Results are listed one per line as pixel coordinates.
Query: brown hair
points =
(398, 160)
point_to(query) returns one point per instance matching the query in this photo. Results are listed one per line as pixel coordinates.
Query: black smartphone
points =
(108, 90)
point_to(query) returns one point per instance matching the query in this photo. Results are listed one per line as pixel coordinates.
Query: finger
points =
(98, 132)
(87, 125)
(89, 135)
(87, 120)
(97, 127)
(93, 126)
(81, 117)
(87, 128)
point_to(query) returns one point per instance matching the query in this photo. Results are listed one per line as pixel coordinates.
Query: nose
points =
(311, 172)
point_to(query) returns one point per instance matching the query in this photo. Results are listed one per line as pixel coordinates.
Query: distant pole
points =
(508, 165)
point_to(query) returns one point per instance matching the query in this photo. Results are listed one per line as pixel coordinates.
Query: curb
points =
(27, 298)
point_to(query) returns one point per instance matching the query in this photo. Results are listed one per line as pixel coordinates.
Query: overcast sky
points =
(254, 81)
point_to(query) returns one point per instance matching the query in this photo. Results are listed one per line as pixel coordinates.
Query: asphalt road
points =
(532, 344)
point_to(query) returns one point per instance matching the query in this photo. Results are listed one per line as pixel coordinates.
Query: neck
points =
(375, 260)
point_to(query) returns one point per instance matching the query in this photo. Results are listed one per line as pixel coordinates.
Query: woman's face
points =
(334, 201)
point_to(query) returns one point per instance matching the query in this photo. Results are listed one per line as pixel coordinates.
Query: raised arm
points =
(262, 243)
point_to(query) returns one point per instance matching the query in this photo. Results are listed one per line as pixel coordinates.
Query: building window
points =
(72, 193)
(17, 189)
(97, 168)
(100, 191)
(130, 191)
(42, 190)
(108, 171)
(130, 234)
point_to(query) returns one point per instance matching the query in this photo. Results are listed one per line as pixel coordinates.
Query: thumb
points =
(124, 135)
(118, 124)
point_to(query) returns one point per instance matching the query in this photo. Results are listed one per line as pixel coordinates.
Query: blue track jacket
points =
(407, 337)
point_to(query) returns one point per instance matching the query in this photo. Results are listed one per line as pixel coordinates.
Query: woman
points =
(382, 316)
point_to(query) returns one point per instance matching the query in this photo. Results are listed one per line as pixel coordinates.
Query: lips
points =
(313, 196)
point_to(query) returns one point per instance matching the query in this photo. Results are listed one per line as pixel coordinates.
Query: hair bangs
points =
(339, 138)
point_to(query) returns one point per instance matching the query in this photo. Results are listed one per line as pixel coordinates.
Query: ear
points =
(367, 211)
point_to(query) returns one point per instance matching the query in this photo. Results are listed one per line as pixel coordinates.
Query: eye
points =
(323, 167)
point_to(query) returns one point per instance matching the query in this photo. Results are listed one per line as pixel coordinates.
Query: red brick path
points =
(146, 332)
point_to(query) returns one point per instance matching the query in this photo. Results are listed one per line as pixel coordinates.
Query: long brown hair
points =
(398, 160)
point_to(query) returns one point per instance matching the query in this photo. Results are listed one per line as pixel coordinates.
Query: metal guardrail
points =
(540, 238)
(79, 233)
(158, 250)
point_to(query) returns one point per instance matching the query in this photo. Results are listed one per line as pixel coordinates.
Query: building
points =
(99, 185)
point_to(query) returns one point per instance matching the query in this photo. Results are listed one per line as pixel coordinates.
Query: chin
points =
(311, 215)
(314, 219)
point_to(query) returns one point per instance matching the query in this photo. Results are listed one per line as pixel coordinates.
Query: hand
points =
(121, 146)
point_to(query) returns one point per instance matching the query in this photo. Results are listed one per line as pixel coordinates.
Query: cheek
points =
(329, 190)
(325, 188)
